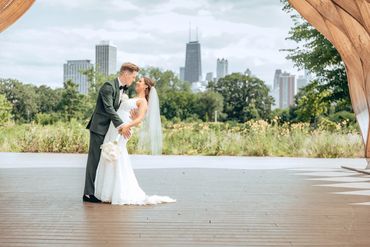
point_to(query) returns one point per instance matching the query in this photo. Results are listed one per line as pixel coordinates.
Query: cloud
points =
(150, 33)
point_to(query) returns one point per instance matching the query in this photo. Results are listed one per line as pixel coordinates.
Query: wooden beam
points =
(346, 24)
(12, 10)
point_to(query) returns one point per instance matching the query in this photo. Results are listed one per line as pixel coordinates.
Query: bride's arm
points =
(142, 107)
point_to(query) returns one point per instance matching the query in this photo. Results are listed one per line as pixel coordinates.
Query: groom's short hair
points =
(130, 67)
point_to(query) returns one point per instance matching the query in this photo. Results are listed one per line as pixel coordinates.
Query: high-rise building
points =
(286, 90)
(106, 58)
(193, 63)
(222, 68)
(182, 73)
(209, 76)
(72, 71)
(276, 78)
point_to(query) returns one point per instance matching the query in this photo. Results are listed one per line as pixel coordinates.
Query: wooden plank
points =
(215, 207)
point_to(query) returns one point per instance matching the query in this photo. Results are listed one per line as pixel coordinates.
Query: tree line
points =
(236, 97)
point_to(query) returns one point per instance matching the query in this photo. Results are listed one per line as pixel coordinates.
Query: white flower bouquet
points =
(110, 150)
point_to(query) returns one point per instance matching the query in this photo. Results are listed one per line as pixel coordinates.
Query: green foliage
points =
(311, 103)
(178, 104)
(253, 138)
(245, 97)
(72, 102)
(48, 99)
(5, 110)
(207, 104)
(341, 116)
(96, 80)
(22, 97)
(47, 118)
(165, 80)
(316, 54)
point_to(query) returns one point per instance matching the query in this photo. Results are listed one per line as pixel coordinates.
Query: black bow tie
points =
(125, 87)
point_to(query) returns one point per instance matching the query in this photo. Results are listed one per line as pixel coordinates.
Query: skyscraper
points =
(222, 68)
(276, 78)
(72, 71)
(286, 90)
(182, 73)
(193, 63)
(106, 58)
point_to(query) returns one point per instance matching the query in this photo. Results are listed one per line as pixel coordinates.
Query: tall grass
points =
(254, 138)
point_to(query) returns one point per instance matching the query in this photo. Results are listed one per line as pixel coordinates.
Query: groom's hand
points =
(126, 132)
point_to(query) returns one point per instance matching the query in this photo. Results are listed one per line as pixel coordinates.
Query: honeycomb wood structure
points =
(12, 10)
(346, 24)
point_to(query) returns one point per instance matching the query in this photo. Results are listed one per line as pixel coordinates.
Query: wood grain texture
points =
(215, 207)
(346, 24)
(12, 10)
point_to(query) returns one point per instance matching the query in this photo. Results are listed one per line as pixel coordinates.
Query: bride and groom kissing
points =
(109, 174)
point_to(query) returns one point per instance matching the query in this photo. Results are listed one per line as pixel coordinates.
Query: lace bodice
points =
(128, 104)
(125, 108)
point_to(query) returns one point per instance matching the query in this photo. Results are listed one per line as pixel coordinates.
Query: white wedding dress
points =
(115, 181)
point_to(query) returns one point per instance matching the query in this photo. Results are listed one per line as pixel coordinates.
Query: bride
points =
(115, 179)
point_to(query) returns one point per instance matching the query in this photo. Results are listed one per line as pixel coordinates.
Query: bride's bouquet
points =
(110, 150)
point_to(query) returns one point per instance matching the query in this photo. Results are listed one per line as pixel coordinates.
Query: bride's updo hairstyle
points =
(150, 83)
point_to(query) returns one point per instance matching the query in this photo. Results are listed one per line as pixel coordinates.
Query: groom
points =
(105, 112)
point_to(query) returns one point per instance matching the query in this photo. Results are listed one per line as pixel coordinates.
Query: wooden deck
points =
(215, 207)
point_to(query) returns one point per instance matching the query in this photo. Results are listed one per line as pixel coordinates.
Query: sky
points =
(249, 33)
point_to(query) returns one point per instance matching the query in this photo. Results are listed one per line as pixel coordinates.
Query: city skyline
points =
(53, 32)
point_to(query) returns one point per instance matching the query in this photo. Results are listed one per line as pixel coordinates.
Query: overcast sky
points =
(249, 33)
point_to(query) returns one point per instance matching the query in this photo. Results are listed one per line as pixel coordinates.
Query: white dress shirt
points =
(120, 97)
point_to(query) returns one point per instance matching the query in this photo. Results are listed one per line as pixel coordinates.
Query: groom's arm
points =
(106, 93)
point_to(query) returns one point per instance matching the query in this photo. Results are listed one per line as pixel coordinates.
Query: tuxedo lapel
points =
(116, 94)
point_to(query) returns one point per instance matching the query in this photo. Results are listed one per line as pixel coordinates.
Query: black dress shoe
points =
(91, 198)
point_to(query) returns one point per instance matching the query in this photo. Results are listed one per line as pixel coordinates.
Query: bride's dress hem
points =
(150, 200)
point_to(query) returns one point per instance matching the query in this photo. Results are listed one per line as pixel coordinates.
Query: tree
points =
(207, 104)
(316, 54)
(5, 109)
(178, 104)
(245, 97)
(22, 97)
(96, 80)
(72, 103)
(48, 99)
(165, 80)
(310, 103)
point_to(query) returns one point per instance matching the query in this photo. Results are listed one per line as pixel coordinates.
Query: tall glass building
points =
(193, 63)
(286, 90)
(72, 71)
(106, 58)
(222, 68)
